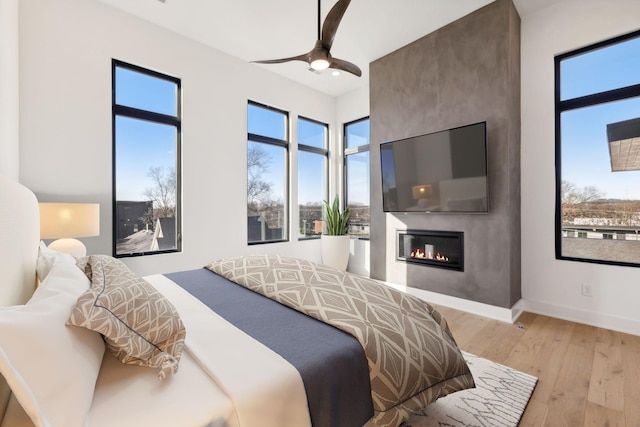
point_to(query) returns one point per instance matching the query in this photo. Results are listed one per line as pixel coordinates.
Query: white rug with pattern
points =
(499, 399)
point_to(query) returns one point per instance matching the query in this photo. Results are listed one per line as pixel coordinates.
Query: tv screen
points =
(438, 172)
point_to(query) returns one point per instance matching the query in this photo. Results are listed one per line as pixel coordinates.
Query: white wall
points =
(551, 286)
(9, 92)
(66, 49)
(65, 132)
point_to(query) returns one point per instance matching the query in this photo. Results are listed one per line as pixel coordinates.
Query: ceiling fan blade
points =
(331, 22)
(304, 57)
(340, 64)
(319, 56)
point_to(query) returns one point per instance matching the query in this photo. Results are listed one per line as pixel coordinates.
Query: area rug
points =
(499, 399)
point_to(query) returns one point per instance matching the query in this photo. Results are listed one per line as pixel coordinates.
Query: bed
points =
(242, 342)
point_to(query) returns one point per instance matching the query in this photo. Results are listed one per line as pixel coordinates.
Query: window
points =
(597, 141)
(356, 172)
(312, 175)
(267, 174)
(146, 158)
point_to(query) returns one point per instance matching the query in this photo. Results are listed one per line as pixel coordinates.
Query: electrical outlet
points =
(587, 290)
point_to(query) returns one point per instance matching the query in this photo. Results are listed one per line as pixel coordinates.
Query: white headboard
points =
(19, 238)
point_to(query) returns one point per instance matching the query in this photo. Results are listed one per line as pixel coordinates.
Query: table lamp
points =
(66, 222)
(422, 193)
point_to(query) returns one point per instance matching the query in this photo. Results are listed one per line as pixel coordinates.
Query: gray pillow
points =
(139, 325)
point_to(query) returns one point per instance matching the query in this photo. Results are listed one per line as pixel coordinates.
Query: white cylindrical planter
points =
(335, 251)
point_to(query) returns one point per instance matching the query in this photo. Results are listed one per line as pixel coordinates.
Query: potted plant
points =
(335, 242)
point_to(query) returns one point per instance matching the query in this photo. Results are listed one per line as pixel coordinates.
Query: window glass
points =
(142, 146)
(357, 177)
(312, 134)
(146, 162)
(610, 67)
(357, 189)
(312, 191)
(598, 173)
(140, 90)
(267, 192)
(586, 159)
(357, 133)
(266, 121)
(312, 176)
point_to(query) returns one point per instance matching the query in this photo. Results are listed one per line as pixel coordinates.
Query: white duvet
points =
(265, 389)
(225, 379)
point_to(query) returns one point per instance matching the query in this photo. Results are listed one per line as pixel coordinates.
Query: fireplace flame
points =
(420, 254)
(441, 258)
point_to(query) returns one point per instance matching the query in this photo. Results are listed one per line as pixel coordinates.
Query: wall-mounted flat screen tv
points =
(443, 171)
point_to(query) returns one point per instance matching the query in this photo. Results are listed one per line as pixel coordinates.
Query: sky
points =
(312, 185)
(358, 180)
(140, 144)
(585, 150)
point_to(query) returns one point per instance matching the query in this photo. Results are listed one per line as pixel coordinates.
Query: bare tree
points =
(163, 194)
(309, 214)
(147, 218)
(258, 190)
(578, 202)
(572, 195)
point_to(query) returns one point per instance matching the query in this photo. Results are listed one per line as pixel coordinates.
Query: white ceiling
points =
(270, 29)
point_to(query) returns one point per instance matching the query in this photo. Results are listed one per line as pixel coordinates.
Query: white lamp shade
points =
(68, 220)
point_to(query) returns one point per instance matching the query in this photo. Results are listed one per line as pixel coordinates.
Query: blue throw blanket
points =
(331, 363)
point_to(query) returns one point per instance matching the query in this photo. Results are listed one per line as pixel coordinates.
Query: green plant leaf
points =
(337, 220)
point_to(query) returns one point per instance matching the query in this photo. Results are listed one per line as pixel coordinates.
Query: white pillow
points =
(50, 367)
(46, 258)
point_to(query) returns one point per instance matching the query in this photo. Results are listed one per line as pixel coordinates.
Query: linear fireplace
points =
(443, 249)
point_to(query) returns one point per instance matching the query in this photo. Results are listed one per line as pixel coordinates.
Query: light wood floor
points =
(587, 376)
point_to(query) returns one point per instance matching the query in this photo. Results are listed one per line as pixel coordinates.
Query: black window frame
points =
(286, 145)
(594, 99)
(315, 150)
(345, 171)
(153, 117)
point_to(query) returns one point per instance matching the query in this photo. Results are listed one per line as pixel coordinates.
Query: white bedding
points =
(190, 398)
(267, 391)
(225, 379)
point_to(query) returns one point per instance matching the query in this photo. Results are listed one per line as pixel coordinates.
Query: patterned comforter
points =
(413, 358)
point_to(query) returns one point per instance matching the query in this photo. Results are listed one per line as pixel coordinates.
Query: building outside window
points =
(312, 176)
(267, 174)
(597, 146)
(146, 158)
(356, 173)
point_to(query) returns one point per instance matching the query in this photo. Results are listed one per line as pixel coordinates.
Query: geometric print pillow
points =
(139, 325)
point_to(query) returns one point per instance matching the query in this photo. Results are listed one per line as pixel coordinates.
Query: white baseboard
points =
(502, 314)
(510, 315)
(599, 320)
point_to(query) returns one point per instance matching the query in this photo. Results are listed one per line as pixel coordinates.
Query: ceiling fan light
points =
(319, 64)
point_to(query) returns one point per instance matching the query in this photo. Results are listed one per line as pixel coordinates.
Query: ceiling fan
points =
(319, 58)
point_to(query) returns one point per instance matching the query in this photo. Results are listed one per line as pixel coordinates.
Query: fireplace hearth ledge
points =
(502, 314)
